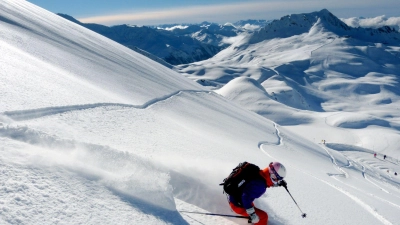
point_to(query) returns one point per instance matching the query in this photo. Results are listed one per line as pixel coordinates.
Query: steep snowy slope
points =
(94, 133)
(97, 64)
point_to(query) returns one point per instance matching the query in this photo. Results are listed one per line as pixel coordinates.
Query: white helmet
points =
(277, 171)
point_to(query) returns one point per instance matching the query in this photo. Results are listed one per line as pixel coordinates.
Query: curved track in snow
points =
(279, 142)
(19, 115)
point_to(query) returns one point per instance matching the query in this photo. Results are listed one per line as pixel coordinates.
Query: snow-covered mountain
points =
(92, 132)
(210, 33)
(174, 49)
(323, 21)
(215, 34)
(312, 62)
(177, 43)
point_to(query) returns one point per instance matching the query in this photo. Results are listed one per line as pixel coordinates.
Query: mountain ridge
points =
(170, 48)
(296, 24)
(176, 43)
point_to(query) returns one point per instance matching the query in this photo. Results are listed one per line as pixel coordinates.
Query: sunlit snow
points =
(94, 133)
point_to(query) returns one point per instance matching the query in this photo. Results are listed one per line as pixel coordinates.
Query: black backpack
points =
(233, 185)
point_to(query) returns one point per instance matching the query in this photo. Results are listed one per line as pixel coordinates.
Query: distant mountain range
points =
(213, 33)
(175, 43)
(296, 24)
(311, 61)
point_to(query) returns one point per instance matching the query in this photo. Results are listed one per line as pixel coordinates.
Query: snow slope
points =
(94, 133)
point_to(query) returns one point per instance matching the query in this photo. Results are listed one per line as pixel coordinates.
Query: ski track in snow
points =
(278, 134)
(335, 163)
(19, 115)
(364, 205)
(367, 207)
(279, 142)
(357, 200)
(369, 180)
(365, 175)
(389, 202)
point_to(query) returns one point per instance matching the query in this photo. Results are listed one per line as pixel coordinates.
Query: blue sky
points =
(151, 12)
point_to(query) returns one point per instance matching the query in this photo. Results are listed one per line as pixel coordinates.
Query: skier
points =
(272, 177)
(384, 157)
(375, 155)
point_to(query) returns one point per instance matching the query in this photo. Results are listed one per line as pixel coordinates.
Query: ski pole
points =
(303, 214)
(216, 214)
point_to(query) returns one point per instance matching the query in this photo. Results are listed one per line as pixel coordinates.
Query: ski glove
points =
(253, 216)
(282, 183)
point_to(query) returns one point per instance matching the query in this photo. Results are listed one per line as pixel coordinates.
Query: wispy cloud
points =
(178, 14)
(375, 22)
(256, 9)
(231, 40)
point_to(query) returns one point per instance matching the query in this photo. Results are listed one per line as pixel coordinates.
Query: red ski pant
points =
(242, 211)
